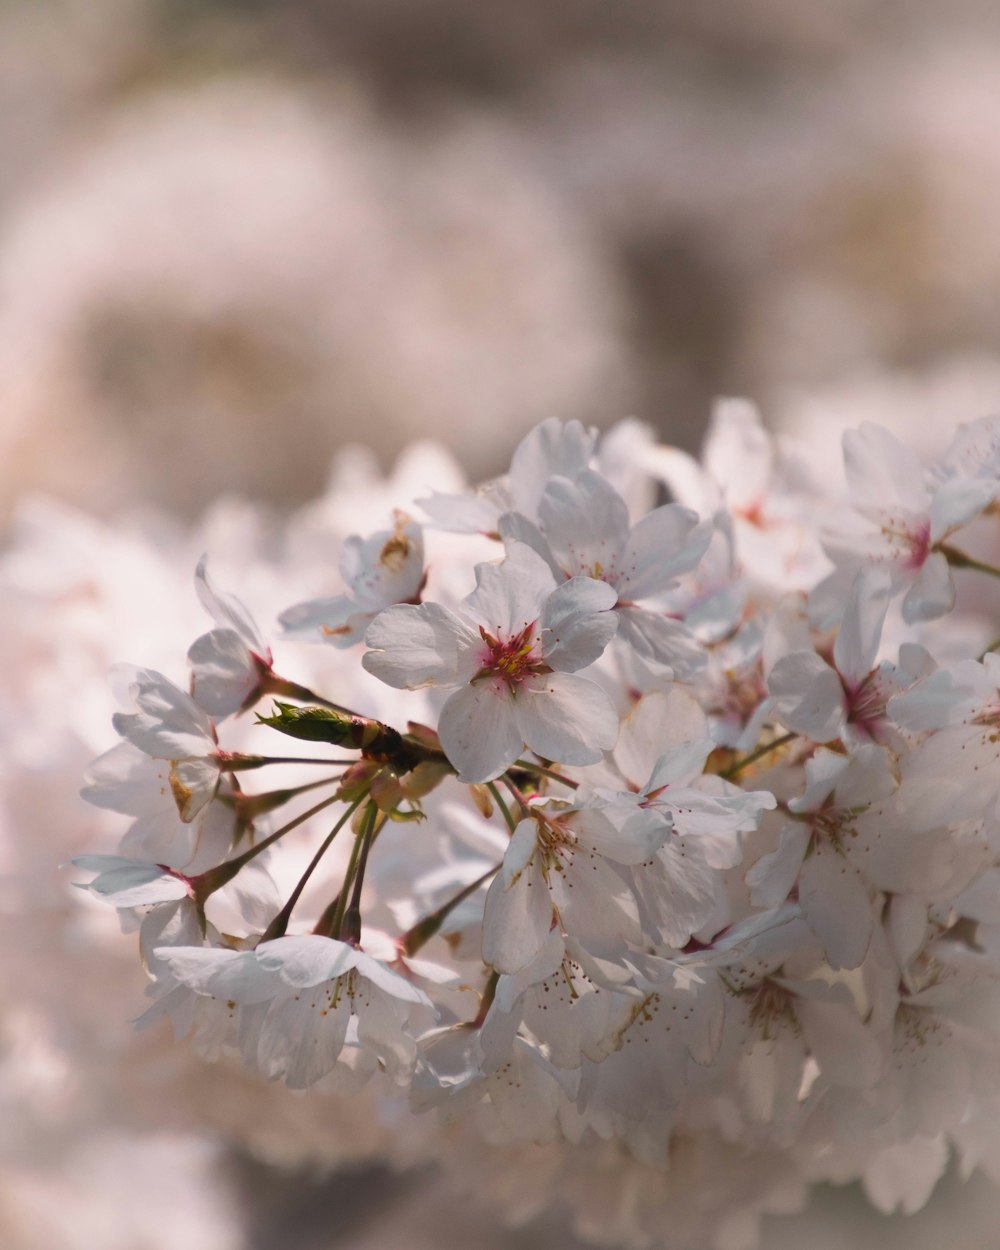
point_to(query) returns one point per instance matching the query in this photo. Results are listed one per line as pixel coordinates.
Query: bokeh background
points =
(239, 235)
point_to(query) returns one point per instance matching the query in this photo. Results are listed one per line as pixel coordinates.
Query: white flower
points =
(512, 648)
(584, 530)
(903, 517)
(228, 663)
(552, 448)
(385, 568)
(169, 725)
(298, 998)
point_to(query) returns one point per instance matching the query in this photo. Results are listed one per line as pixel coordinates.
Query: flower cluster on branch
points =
(650, 837)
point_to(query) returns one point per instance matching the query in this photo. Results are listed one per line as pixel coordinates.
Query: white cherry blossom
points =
(385, 568)
(512, 648)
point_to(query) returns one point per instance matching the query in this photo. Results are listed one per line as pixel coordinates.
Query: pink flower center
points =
(512, 659)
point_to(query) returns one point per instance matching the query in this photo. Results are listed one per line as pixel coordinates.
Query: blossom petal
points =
(421, 645)
(479, 730)
(565, 717)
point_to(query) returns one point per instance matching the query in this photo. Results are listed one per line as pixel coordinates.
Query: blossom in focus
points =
(513, 648)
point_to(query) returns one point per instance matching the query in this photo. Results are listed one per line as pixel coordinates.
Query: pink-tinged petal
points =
(857, 642)
(227, 611)
(509, 596)
(686, 480)
(667, 542)
(130, 883)
(577, 624)
(956, 503)
(586, 524)
(566, 718)
(933, 592)
(661, 640)
(883, 474)
(516, 920)
(836, 903)
(808, 696)
(479, 730)
(737, 453)
(223, 674)
(421, 645)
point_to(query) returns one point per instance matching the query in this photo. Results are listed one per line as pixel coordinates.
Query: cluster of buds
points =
(666, 830)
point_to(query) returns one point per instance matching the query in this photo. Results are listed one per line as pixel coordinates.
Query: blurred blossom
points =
(219, 264)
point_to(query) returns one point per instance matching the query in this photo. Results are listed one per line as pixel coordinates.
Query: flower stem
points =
(367, 824)
(546, 772)
(243, 763)
(272, 683)
(424, 930)
(961, 560)
(499, 800)
(279, 924)
(757, 754)
(215, 878)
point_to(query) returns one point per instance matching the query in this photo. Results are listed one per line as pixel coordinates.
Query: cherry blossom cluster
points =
(651, 839)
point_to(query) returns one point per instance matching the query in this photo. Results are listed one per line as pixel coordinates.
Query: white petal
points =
(565, 717)
(552, 449)
(131, 883)
(194, 784)
(516, 920)
(667, 542)
(307, 959)
(933, 592)
(223, 674)
(576, 623)
(772, 877)
(226, 610)
(956, 503)
(421, 645)
(857, 642)
(585, 522)
(883, 474)
(808, 696)
(660, 639)
(479, 730)
(837, 905)
(509, 596)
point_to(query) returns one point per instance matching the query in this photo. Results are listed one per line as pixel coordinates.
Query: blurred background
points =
(237, 235)
(221, 219)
